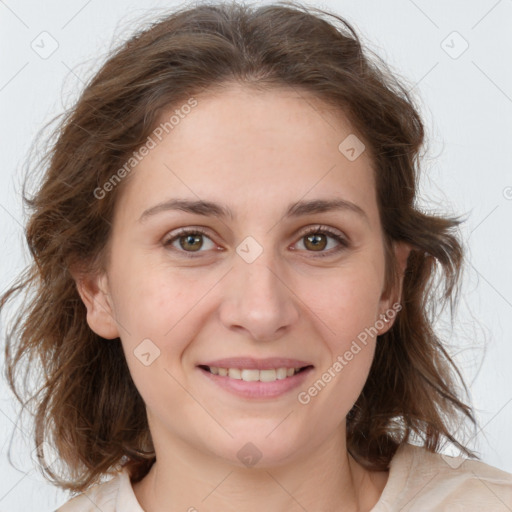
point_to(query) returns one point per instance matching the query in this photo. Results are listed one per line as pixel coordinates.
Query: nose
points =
(258, 301)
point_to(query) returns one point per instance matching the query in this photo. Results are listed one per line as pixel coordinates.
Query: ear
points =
(391, 302)
(95, 295)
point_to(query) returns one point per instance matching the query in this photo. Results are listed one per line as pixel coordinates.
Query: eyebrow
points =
(297, 209)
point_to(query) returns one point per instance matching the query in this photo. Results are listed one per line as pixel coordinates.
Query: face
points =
(275, 279)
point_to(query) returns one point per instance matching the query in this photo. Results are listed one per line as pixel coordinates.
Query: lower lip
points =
(258, 389)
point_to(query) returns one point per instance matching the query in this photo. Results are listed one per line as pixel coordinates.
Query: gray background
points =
(466, 100)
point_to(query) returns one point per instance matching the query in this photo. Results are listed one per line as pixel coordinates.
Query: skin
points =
(256, 152)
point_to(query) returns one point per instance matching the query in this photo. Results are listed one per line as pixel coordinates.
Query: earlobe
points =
(94, 292)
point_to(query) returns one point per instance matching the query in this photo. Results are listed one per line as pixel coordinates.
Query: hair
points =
(85, 404)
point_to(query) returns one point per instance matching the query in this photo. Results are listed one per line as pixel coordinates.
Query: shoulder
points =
(102, 496)
(428, 481)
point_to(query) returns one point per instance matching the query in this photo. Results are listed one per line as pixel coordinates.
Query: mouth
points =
(254, 374)
(256, 379)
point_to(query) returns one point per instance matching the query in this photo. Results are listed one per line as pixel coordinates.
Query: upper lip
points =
(256, 364)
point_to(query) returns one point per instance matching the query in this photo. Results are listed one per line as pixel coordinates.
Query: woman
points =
(233, 284)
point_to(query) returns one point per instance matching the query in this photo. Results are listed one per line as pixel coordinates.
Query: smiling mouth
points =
(254, 375)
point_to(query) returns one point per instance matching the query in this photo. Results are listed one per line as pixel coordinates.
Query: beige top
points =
(418, 481)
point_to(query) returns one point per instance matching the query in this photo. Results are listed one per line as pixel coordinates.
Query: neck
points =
(327, 478)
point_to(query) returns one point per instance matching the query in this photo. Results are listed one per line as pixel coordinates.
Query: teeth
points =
(254, 375)
(281, 373)
(234, 373)
(249, 375)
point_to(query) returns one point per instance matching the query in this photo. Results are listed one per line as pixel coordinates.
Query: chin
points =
(262, 450)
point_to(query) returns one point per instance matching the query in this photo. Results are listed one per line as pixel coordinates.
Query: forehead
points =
(237, 143)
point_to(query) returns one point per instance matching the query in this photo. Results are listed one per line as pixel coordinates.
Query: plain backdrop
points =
(456, 58)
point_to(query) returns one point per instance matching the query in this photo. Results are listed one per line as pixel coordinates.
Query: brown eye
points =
(186, 242)
(316, 241)
(192, 242)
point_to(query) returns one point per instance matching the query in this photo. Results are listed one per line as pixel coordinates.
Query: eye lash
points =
(344, 243)
(182, 232)
(186, 231)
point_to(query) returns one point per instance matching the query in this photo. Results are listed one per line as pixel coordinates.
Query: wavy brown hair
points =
(85, 403)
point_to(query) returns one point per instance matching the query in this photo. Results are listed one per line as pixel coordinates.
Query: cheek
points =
(148, 299)
(345, 309)
(154, 307)
(346, 300)
(162, 305)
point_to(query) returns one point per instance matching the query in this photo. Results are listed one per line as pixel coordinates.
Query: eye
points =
(189, 240)
(316, 239)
